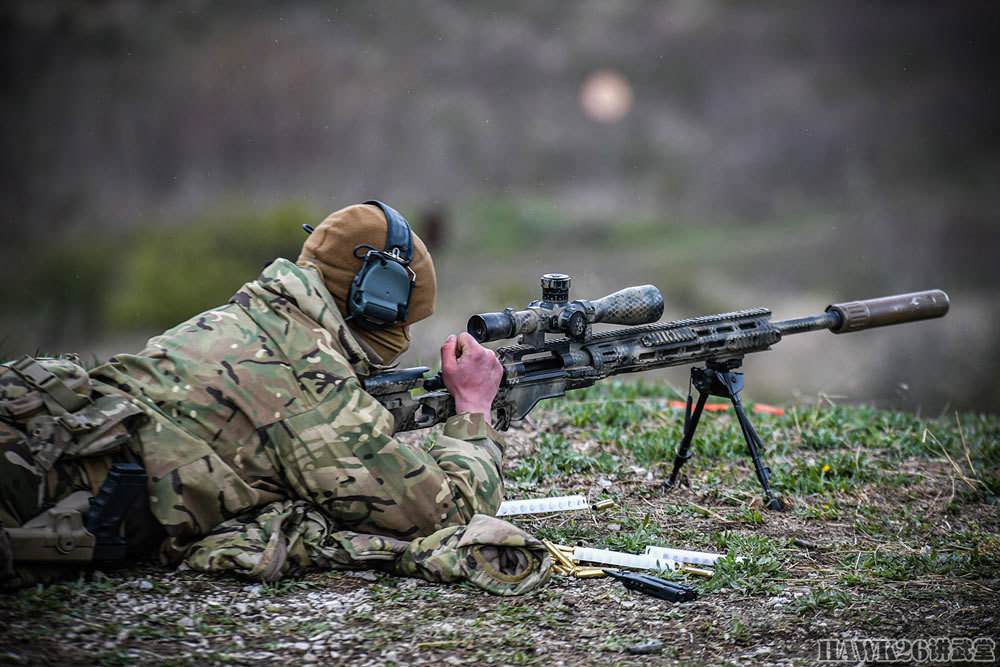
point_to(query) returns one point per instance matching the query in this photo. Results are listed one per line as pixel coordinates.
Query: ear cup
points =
(380, 293)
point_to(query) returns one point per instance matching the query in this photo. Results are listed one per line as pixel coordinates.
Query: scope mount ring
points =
(577, 326)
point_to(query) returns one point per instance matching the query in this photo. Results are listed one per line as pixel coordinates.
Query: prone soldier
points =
(263, 453)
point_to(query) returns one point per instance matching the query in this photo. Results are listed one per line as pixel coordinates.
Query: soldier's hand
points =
(471, 373)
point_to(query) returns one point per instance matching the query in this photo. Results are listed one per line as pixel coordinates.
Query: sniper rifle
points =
(537, 368)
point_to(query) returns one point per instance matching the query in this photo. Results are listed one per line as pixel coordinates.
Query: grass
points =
(822, 598)
(813, 451)
(753, 564)
(554, 457)
(821, 458)
(900, 511)
(635, 533)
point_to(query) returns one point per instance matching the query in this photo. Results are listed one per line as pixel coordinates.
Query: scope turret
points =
(632, 305)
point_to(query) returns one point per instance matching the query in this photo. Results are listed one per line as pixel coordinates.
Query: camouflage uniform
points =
(259, 401)
(255, 406)
(286, 536)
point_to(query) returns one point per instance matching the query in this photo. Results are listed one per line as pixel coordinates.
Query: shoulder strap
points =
(59, 398)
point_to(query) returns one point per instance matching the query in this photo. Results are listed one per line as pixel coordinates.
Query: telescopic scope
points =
(553, 313)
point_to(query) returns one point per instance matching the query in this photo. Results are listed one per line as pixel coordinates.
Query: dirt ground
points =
(915, 561)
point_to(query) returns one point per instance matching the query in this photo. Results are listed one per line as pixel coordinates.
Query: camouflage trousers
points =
(289, 536)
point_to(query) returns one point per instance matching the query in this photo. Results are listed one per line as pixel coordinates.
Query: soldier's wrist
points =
(484, 409)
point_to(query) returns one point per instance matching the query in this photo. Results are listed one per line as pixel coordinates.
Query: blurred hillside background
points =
(788, 155)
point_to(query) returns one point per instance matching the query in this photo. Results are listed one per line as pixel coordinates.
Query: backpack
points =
(52, 421)
(51, 402)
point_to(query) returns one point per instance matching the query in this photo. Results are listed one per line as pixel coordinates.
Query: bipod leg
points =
(754, 443)
(690, 424)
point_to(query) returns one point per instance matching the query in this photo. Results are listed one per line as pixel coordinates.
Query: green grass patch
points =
(820, 598)
(813, 451)
(753, 564)
(570, 533)
(831, 472)
(885, 564)
(636, 532)
(555, 456)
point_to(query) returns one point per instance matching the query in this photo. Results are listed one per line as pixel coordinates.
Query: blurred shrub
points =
(65, 276)
(508, 224)
(172, 273)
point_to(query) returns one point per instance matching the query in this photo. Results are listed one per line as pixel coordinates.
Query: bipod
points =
(718, 379)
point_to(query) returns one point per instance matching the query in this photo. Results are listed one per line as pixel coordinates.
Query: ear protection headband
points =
(380, 291)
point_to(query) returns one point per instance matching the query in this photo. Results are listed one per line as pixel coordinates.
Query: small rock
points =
(646, 647)
(146, 585)
(301, 646)
(186, 622)
(122, 597)
(366, 575)
(123, 635)
(614, 527)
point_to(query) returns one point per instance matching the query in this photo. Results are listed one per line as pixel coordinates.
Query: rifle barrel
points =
(858, 315)
(829, 320)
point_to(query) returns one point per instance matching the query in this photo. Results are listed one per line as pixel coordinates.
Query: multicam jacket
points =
(257, 403)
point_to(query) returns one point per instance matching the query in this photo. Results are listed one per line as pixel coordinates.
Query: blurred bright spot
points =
(606, 96)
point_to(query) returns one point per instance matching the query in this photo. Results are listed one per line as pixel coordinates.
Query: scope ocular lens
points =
(490, 326)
